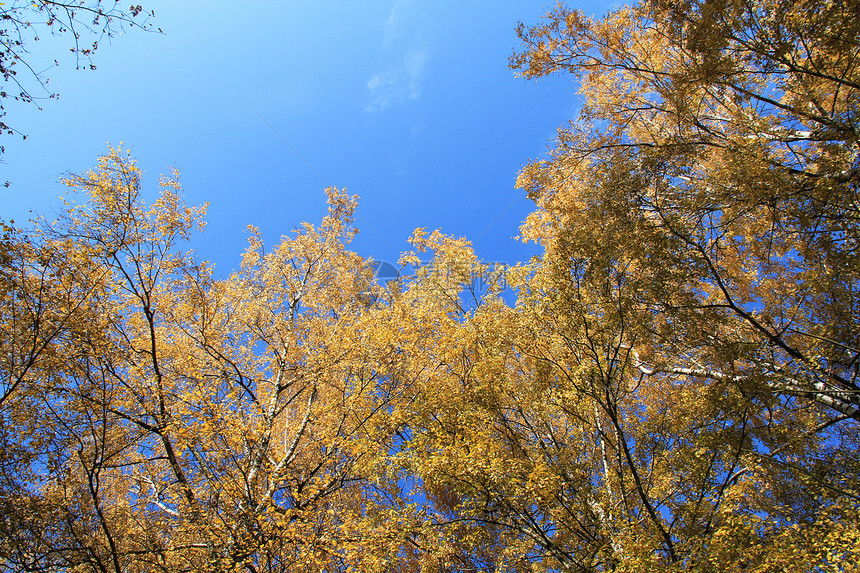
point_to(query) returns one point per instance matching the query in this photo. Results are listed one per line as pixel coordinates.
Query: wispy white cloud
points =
(395, 22)
(400, 81)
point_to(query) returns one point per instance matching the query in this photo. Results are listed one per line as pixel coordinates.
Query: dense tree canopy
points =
(721, 138)
(672, 385)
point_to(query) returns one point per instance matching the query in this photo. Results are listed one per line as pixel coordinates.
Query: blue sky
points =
(408, 103)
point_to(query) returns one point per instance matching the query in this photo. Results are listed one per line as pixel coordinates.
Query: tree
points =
(177, 422)
(714, 173)
(86, 23)
(677, 385)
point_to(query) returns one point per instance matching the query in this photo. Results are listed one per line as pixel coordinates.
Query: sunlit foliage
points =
(671, 386)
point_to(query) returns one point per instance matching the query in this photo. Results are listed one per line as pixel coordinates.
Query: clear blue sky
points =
(408, 103)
